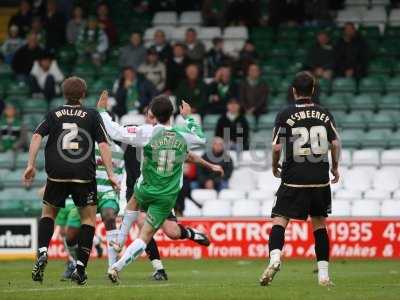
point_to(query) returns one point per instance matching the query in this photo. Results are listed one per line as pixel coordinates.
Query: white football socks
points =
(130, 216)
(157, 264)
(134, 250)
(111, 236)
(275, 256)
(323, 270)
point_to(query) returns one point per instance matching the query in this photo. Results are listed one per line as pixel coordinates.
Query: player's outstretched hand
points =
(218, 169)
(29, 175)
(185, 109)
(115, 183)
(336, 175)
(103, 100)
(276, 170)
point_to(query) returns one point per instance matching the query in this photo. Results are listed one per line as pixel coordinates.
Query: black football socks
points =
(85, 243)
(46, 230)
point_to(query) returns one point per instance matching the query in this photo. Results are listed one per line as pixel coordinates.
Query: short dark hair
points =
(74, 89)
(161, 107)
(303, 84)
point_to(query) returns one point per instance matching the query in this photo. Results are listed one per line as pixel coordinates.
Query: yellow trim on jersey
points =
(306, 185)
(70, 180)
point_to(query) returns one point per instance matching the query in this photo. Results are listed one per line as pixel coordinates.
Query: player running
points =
(305, 132)
(70, 166)
(164, 152)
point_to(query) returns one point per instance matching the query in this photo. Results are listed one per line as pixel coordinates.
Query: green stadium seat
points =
(7, 160)
(210, 122)
(109, 70)
(393, 85)
(394, 139)
(98, 86)
(35, 106)
(57, 102)
(391, 32)
(370, 32)
(66, 56)
(351, 138)
(383, 120)
(372, 84)
(279, 51)
(382, 66)
(299, 55)
(362, 102)
(288, 34)
(32, 120)
(353, 121)
(389, 48)
(284, 85)
(266, 121)
(325, 85)
(261, 139)
(209, 135)
(335, 101)
(262, 34)
(17, 89)
(277, 103)
(252, 121)
(271, 69)
(86, 71)
(344, 85)
(13, 179)
(91, 101)
(376, 138)
(6, 71)
(390, 101)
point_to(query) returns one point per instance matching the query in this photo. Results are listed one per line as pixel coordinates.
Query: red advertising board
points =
(247, 238)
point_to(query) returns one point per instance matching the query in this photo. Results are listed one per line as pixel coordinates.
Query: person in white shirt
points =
(46, 76)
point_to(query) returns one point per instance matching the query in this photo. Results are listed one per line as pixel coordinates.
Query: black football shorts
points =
(83, 194)
(301, 202)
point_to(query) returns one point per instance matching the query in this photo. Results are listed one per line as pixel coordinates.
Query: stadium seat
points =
(393, 85)
(377, 195)
(351, 138)
(386, 180)
(35, 106)
(348, 15)
(7, 160)
(396, 195)
(190, 18)
(253, 158)
(208, 33)
(335, 101)
(210, 122)
(374, 16)
(390, 157)
(268, 182)
(390, 101)
(365, 208)
(217, 208)
(394, 17)
(231, 195)
(366, 157)
(346, 158)
(348, 195)
(202, 195)
(236, 33)
(382, 120)
(362, 102)
(17, 89)
(382, 66)
(344, 85)
(376, 138)
(266, 121)
(149, 33)
(242, 179)
(266, 208)
(341, 208)
(357, 180)
(133, 119)
(165, 18)
(356, 3)
(191, 210)
(178, 34)
(245, 208)
(354, 120)
(390, 208)
(260, 195)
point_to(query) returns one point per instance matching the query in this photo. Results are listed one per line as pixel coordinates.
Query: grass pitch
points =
(207, 279)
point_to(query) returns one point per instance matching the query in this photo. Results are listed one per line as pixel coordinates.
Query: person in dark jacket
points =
(25, 56)
(233, 127)
(176, 67)
(221, 90)
(162, 46)
(351, 54)
(216, 57)
(22, 19)
(132, 92)
(321, 57)
(54, 25)
(216, 155)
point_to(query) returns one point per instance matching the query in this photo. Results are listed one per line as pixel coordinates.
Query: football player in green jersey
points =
(165, 150)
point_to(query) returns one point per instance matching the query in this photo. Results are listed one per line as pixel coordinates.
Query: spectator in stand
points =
(253, 92)
(132, 93)
(25, 57)
(46, 77)
(321, 58)
(92, 42)
(106, 23)
(154, 70)
(2, 106)
(37, 28)
(133, 54)
(317, 13)
(221, 90)
(13, 135)
(233, 127)
(195, 48)
(23, 18)
(216, 57)
(75, 25)
(11, 44)
(162, 47)
(192, 89)
(247, 56)
(54, 25)
(216, 155)
(176, 67)
(351, 54)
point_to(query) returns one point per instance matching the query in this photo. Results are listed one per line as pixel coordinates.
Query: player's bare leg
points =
(85, 242)
(176, 231)
(321, 250)
(276, 242)
(130, 216)
(134, 250)
(108, 216)
(46, 230)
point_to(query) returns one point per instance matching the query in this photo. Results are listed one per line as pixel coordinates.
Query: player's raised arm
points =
(132, 135)
(198, 160)
(192, 132)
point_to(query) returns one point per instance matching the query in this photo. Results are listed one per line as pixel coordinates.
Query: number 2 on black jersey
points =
(317, 136)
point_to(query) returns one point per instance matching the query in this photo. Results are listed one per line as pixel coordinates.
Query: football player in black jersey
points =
(72, 131)
(303, 133)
